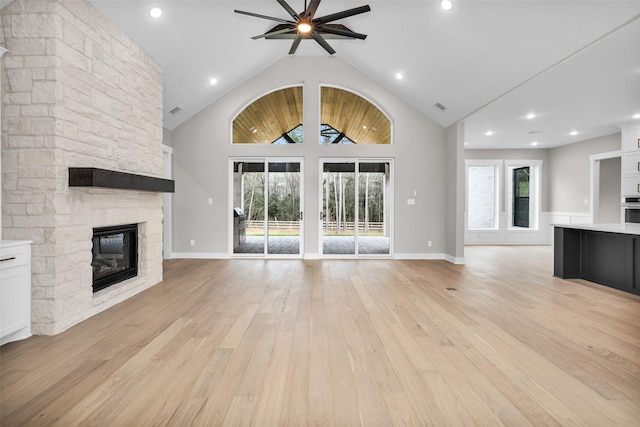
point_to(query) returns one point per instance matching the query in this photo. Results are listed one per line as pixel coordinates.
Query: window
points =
(348, 118)
(345, 118)
(483, 183)
(522, 196)
(275, 118)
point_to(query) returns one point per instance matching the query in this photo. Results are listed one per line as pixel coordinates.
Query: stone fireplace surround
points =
(76, 92)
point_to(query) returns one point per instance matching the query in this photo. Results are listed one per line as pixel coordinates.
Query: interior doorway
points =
(355, 217)
(267, 207)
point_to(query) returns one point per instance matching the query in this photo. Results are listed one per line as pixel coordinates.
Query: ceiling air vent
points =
(175, 111)
(440, 106)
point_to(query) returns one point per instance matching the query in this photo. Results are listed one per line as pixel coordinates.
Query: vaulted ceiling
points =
(574, 64)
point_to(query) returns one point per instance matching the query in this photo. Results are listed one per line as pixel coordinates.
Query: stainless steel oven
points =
(632, 210)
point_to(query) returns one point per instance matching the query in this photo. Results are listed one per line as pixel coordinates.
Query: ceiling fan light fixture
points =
(304, 27)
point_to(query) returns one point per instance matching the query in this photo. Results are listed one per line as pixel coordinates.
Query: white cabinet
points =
(15, 290)
(630, 161)
(630, 186)
(630, 138)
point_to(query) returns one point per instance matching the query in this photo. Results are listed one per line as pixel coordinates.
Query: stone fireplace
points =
(76, 93)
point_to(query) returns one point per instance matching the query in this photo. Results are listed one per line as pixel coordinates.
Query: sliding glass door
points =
(355, 216)
(267, 215)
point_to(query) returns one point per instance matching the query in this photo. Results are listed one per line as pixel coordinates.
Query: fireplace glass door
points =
(114, 255)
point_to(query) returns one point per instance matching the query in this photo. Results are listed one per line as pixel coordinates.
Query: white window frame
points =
(497, 164)
(535, 168)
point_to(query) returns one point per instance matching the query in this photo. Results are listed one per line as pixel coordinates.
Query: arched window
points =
(345, 118)
(348, 118)
(275, 118)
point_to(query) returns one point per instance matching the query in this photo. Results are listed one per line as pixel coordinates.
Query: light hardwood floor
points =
(498, 341)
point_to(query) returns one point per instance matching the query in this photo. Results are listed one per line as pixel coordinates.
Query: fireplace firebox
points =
(115, 255)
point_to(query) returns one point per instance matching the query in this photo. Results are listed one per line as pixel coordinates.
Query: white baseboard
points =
(199, 255)
(418, 256)
(454, 260)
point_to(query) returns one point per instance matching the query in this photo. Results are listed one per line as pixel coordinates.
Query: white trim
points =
(423, 256)
(361, 95)
(534, 190)
(246, 105)
(265, 160)
(167, 204)
(389, 217)
(199, 255)
(594, 183)
(455, 260)
(497, 168)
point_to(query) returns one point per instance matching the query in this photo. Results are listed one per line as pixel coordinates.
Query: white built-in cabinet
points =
(630, 161)
(15, 290)
(15, 276)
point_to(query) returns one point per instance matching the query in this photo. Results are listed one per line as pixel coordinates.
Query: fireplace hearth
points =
(115, 255)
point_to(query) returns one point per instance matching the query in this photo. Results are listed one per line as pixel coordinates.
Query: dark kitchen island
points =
(608, 254)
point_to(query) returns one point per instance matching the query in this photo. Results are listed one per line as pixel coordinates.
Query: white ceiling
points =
(575, 64)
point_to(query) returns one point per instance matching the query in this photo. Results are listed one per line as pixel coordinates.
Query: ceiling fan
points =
(304, 25)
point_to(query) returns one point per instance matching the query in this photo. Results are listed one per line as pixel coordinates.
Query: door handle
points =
(301, 215)
(321, 215)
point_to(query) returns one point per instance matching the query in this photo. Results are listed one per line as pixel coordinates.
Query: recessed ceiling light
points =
(534, 143)
(446, 4)
(531, 116)
(399, 76)
(636, 116)
(573, 133)
(489, 133)
(213, 81)
(155, 12)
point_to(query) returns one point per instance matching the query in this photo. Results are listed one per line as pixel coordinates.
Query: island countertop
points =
(624, 228)
(607, 254)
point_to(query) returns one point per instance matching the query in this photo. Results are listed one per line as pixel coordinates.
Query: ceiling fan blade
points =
(273, 33)
(339, 32)
(271, 18)
(295, 44)
(322, 42)
(289, 10)
(311, 10)
(343, 14)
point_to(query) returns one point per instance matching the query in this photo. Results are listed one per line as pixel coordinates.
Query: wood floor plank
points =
(498, 341)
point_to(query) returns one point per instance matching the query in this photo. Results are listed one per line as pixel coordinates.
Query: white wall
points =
(201, 152)
(569, 171)
(565, 186)
(609, 190)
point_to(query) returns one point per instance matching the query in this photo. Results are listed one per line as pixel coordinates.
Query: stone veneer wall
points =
(76, 92)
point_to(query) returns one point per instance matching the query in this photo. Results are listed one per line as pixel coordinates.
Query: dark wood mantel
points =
(103, 178)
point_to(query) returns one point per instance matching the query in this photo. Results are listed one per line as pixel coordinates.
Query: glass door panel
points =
(284, 213)
(338, 208)
(521, 197)
(373, 225)
(248, 207)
